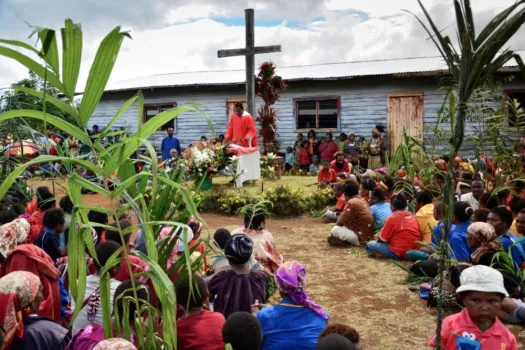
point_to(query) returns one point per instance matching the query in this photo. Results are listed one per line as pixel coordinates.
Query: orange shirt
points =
(401, 232)
(341, 202)
(239, 128)
(304, 157)
(326, 175)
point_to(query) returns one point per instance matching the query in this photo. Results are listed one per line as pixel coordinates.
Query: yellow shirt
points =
(425, 220)
(514, 229)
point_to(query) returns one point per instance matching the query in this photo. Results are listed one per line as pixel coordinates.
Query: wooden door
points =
(405, 112)
(230, 106)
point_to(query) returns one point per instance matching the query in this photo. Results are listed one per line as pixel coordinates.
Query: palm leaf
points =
(71, 58)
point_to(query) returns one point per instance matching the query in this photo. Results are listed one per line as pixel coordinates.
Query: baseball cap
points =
(481, 278)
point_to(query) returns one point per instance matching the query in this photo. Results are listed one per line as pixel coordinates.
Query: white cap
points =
(481, 278)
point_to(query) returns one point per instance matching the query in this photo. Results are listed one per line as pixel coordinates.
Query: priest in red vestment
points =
(241, 129)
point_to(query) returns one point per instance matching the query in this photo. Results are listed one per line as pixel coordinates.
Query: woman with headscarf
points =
(30, 258)
(239, 288)
(377, 148)
(264, 249)
(115, 344)
(296, 321)
(20, 297)
(13, 234)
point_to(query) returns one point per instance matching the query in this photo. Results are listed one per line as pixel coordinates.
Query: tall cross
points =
(250, 51)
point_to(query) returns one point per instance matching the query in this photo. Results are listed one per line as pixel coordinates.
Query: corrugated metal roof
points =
(309, 72)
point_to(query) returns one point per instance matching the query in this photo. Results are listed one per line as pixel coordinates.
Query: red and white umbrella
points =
(26, 148)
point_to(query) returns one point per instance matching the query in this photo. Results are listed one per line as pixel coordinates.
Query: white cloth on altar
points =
(248, 167)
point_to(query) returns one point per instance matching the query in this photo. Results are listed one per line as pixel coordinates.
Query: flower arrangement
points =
(203, 159)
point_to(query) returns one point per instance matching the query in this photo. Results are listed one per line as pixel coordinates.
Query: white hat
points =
(481, 278)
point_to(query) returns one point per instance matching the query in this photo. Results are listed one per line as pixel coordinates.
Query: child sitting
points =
(198, 320)
(242, 331)
(289, 159)
(326, 175)
(343, 330)
(304, 156)
(331, 214)
(48, 239)
(477, 326)
(314, 167)
(172, 160)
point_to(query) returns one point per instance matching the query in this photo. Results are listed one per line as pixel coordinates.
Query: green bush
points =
(286, 199)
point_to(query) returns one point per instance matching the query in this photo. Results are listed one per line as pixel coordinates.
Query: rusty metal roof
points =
(326, 71)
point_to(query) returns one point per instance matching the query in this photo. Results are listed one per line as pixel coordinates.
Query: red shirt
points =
(137, 266)
(36, 221)
(328, 150)
(496, 337)
(202, 331)
(344, 169)
(328, 176)
(304, 156)
(341, 202)
(401, 232)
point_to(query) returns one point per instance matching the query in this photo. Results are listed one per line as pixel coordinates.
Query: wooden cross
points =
(250, 51)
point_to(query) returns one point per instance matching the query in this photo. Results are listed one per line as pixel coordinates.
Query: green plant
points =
(169, 204)
(479, 57)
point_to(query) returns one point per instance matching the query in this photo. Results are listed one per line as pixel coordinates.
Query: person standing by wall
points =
(168, 143)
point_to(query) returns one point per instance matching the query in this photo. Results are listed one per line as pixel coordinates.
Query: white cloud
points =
(172, 36)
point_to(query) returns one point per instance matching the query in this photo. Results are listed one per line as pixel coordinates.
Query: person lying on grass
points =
(477, 326)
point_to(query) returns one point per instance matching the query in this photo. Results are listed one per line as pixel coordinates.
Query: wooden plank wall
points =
(363, 105)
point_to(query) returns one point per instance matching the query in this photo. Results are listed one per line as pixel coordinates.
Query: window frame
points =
(317, 99)
(159, 106)
(508, 92)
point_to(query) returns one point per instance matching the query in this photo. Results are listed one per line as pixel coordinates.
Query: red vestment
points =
(239, 128)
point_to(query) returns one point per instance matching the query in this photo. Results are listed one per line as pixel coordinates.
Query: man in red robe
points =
(241, 129)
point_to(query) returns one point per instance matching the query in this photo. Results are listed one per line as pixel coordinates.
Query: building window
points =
(317, 113)
(516, 116)
(151, 110)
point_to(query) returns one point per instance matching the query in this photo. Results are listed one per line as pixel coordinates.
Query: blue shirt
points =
(287, 327)
(438, 232)
(49, 242)
(381, 212)
(458, 242)
(289, 158)
(507, 240)
(169, 143)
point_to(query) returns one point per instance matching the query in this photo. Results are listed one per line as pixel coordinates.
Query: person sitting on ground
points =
(238, 289)
(331, 214)
(67, 206)
(115, 344)
(296, 321)
(20, 298)
(477, 326)
(501, 219)
(90, 336)
(314, 167)
(8, 213)
(503, 198)
(264, 249)
(136, 263)
(33, 205)
(379, 207)
(326, 175)
(12, 234)
(480, 215)
(341, 165)
(197, 320)
(289, 159)
(30, 258)
(488, 200)
(171, 162)
(356, 222)
(242, 331)
(46, 201)
(304, 156)
(346, 331)
(48, 239)
(99, 218)
(425, 215)
(458, 236)
(516, 205)
(473, 197)
(91, 310)
(335, 341)
(399, 234)
(196, 227)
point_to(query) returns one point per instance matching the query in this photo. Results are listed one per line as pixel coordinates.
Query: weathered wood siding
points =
(363, 105)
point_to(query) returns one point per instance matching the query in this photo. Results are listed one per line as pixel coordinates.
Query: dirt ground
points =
(365, 293)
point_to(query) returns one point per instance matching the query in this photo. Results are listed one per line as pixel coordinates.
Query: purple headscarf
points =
(291, 279)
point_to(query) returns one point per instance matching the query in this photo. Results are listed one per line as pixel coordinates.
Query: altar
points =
(248, 163)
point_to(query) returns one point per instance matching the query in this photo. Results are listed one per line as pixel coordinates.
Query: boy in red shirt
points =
(304, 156)
(199, 328)
(331, 214)
(477, 327)
(45, 201)
(326, 175)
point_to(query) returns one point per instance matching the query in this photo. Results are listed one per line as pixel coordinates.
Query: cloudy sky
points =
(175, 36)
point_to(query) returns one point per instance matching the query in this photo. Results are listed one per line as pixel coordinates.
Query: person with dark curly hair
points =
(242, 331)
(348, 332)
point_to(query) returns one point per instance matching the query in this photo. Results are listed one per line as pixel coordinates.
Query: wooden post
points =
(250, 61)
